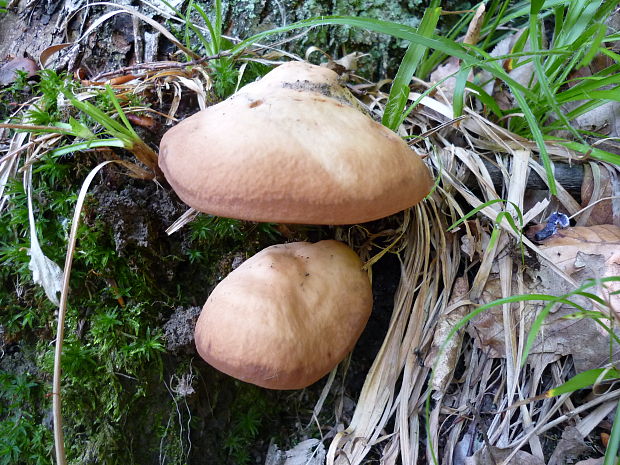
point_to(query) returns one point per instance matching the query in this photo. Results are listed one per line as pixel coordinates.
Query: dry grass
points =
(433, 296)
(415, 362)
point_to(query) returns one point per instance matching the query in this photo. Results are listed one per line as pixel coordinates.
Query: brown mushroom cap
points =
(293, 147)
(287, 315)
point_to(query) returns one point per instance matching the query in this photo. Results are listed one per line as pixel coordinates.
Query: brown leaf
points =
(566, 245)
(452, 65)
(600, 181)
(569, 447)
(598, 461)
(584, 253)
(49, 51)
(495, 456)
(473, 31)
(522, 73)
(456, 311)
(8, 71)
(604, 118)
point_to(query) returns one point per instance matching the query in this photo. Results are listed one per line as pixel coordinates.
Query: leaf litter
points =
(490, 362)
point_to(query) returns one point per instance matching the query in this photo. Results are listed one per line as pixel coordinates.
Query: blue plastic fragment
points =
(556, 220)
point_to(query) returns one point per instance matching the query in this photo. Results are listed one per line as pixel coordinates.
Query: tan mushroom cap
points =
(293, 147)
(287, 315)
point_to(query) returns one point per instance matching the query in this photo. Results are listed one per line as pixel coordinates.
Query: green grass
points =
(577, 38)
(110, 343)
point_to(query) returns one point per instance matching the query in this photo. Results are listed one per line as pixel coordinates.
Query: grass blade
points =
(538, 138)
(120, 111)
(541, 75)
(593, 152)
(611, 454)
(399, 91)
(583, 380)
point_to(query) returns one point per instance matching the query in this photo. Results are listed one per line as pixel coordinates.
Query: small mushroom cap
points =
(287, 315)
(293, 147)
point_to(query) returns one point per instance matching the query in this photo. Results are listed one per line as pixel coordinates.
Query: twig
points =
(156, 66)
(35, 127)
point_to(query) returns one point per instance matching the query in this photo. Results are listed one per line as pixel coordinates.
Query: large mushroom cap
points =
(293, 147)
(287, 315)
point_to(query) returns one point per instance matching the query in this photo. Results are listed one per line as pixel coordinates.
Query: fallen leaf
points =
(49, 51)
(521, 73)
(443, 368)
(308, 452)
(583, 253)
(598, 461)
(473, 31)
(605, 439)
(600, 181)
(452, 65)
(45, 272)
(605, 118)
(8, 71)
(350, 61)
(565, 245)
(569, 448)
(495, 456)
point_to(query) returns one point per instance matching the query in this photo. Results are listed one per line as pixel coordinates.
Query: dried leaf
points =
(308, 452)
(567, 244)
(350, 61)
(605, 118)
(196, 86)
(45, 272)
(8, 167)
(522, 74)
(569, 447)
(451, 66)
(582, 253)
(600, 181)
(473, 31)
(455, 311)
(8, 71)
(598, 461)
(495, 456)
(49, 51)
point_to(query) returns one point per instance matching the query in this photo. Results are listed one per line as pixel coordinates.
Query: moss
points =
(120, 399)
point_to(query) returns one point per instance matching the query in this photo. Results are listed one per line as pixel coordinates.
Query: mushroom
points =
(294, 147)
(286, 316)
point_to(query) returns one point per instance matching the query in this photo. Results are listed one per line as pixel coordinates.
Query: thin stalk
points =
(59, 438)
(611, 455)
(35, 128)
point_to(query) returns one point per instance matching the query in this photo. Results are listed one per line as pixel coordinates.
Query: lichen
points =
(246, 17)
